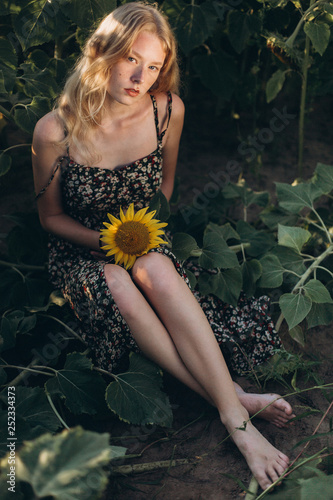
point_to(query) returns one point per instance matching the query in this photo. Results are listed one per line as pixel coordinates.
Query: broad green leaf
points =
(328, 7)
(247, 195)
(8, 64)
(207, 283)
(297, 334)
(275, 84)
(323, 178)
(86, 13)
(229, 285)
(182, 245)
(67, 466)
(272, 272)
(293, 237)
(37, 82)
(5, 163)
(294, 308)
(251, 272)
(7, 334)
(218, 72)
(160, 204)
(290, 260)
(82, 388)
(190, 22)
(294, 198)
(320, 314)
(260, 241)
(319, 34)
(216, 253)
(38, 22)
(238, 29)
(309, 484)
(317, 292)
(273, 216)
(135, 396)
(32, 405)
(226, 231)
(26, 117)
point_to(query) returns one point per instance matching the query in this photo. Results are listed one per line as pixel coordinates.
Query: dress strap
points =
(60, 164)
(161, 135)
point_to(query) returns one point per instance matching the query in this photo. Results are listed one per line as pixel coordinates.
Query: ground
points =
(197, 434)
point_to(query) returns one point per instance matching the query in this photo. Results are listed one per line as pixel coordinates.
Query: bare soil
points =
(208, 144)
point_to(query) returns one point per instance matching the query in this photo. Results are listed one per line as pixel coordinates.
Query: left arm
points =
(171, 146)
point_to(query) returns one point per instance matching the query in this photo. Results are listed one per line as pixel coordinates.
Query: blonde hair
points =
(81, 104)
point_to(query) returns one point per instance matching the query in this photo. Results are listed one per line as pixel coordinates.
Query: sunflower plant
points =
(132, 236)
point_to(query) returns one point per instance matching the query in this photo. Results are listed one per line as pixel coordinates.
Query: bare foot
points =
(279, 412)
(264, 460)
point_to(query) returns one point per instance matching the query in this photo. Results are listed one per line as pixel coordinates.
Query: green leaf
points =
(290, 260)
(294, 198)
(275, 84)
(229, 285)
(33, 406)
(8, 64)
(27, 117)
(293, 237)
(272, 216)
(272, 272)
(294, 308)
(319, 34)
(320, 314)
(260, 241)
(238, 29)
(82, 388)
(135, 396)
(317, 292)
(190, 21)
(226, 231)
(182, 245)
(246, 194)
(86, 13)
(323, 178)
(37, 82)
(216, 253)
(192, 278)
(207, 283)
(218, 72)
(67, 466)
(5, 163)
(161, 205)
(38, 22)
(297, 334)
(7, 334)
(251, 272)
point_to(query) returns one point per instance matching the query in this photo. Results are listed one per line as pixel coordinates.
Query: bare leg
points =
(201, 364)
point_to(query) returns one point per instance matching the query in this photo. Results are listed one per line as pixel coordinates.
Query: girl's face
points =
(132, 76)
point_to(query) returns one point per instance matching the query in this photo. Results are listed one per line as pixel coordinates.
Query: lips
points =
(132, 92)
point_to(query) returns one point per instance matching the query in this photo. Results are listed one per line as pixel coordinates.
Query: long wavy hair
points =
(81, 104)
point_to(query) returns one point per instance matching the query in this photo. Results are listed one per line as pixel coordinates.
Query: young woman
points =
(113, 140)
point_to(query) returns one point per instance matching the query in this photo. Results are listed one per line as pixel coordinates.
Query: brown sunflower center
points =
(132, 237)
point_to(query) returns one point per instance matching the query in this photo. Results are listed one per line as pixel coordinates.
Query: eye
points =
(131, 59)
(154, 68)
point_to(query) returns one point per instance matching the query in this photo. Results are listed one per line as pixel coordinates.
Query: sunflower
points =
(131, 236)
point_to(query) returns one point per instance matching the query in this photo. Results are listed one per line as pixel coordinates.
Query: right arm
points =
(45, 155)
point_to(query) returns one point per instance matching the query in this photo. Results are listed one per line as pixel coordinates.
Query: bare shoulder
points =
(48, 130)
(178, 108)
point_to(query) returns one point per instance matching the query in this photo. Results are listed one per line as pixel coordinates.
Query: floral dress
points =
(245, 333)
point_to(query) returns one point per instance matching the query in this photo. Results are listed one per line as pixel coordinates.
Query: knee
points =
(117, 278)
(154, 272)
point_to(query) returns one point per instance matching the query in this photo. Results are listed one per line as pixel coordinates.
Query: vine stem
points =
(6, 113)
(23, 267)
(313, 5)
(56, 412)
(15, 146)
(304, 277)
(25, 368)
(151, 466)
(68, 328)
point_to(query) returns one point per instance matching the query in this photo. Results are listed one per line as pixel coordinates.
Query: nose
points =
(137, 76)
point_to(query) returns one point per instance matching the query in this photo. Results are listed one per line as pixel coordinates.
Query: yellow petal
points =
(140, 214)
(122, 216)
(113, 220)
